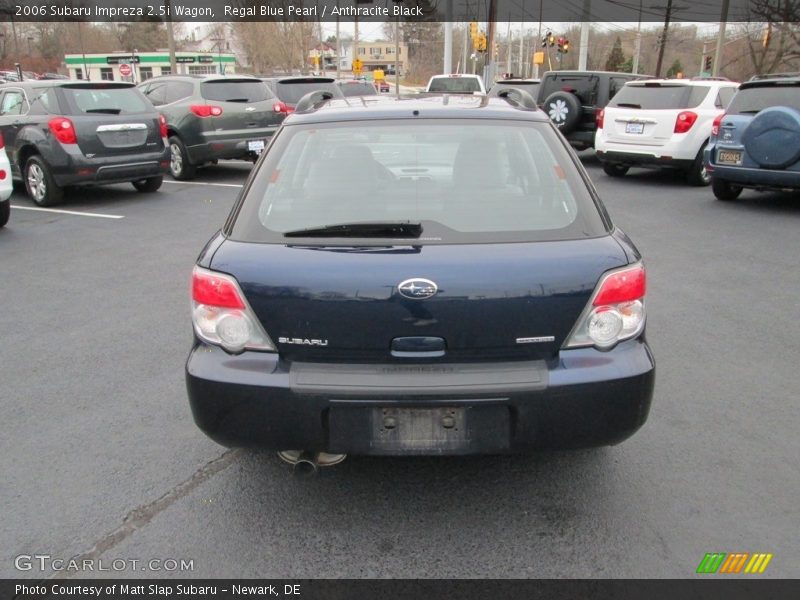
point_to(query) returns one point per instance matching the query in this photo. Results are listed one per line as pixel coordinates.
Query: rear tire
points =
(149, 185)
(179, 166)
(5, 212)
(725, 190)
(39, 183)
(615, 169)
(697, 174)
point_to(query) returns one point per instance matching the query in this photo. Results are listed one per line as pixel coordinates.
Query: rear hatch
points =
(111, 119)
(644, 114)
(491, 301)
(748, 102)
(246, 105)
(289, 91)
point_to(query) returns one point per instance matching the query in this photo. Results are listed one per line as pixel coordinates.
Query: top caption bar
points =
(390, 10)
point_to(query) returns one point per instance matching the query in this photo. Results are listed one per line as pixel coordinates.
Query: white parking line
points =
(233, 185)
(68, 212)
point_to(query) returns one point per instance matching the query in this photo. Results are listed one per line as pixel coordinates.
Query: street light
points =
(219, 53)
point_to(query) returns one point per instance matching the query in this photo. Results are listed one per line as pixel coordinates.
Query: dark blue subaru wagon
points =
(432, 275)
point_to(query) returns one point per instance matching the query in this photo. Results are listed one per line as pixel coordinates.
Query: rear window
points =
(756, 99)
(87, 99)
(584, 87)
(292, 92)
(357, 88)
(465, 181)
(660, 97)
(245, 90)
(455, 85)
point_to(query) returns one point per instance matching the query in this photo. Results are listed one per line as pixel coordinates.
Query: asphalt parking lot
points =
(101, 459)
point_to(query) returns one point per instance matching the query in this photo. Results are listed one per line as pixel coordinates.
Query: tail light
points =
(599, 117)
(282, 107)
(206, 110)
(685, 121)
(63, 129)
(717, 122)
(2, 141)
(162, 124)
(221, 315)
(616, 311)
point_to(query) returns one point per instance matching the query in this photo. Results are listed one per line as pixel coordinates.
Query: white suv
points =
(456, 83)
(661, 123)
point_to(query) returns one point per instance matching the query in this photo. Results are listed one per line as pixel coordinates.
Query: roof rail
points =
(312, 101)
(516, 97)
(774, 76)
(708, 78)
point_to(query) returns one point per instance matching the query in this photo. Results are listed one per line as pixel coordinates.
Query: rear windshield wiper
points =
(109, 111)
(388, 229)
(629, 105)
(749, 112)
(237, 100)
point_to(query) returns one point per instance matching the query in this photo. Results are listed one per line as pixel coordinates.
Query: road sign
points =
(357, 65)
(125, 70)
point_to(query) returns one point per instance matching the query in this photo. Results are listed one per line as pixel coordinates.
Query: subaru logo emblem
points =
(417, 289)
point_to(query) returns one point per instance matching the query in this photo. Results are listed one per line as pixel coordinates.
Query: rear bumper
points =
(77, 169)
(228, 145)
(660, 159)
(585, 398)
(756, 178)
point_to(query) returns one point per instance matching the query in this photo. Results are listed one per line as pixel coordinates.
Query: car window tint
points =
(725, 96)
(585, 88)
(659, 97)
(235, 91)
(157, 93)
(13, 103)
(178, 90)
(755, 99)
(358, 88)
(292, 92)
(466, 181)
(456, 85)
(90, 99)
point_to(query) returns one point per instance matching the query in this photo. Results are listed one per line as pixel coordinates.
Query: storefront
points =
(141, 66)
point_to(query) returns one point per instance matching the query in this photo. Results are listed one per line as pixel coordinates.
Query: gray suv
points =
(210, 118)
(61, 133)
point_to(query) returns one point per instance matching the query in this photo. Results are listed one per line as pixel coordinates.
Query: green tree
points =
(676, 68)
(617, 58)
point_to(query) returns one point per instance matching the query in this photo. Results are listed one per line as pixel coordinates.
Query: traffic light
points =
(480, 42)
(565, 46)
(473, 30)
(708, 63)
(496, 49)
(548, 40)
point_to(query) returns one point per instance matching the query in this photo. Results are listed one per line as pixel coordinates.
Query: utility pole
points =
(355, 41)
(397, 57)
(508, 36)
(522, 66)
(173, 64)
(466, 51)
(584, 49)
(538, 37)
(489, 69)
(448, 37)
(663, 40)
(638, 44)
(339, 48)
(720, 38)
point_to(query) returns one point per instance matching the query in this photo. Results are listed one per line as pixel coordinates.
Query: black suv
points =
(573, 99)
(62, 133)
(210, 118)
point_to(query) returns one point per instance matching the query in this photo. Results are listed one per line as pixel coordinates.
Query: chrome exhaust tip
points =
(307, 463)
